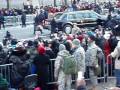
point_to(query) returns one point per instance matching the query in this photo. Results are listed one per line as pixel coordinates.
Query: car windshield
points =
(57, 16)
(64, 17)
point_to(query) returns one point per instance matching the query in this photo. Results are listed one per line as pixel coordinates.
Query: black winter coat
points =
(41, 62)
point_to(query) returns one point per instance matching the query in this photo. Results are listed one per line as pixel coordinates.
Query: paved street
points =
(106, 85)
(20, 33)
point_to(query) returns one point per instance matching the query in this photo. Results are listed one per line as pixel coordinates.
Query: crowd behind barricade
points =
(14, 12)
(86, 50)
(53, 9)
(89, 51)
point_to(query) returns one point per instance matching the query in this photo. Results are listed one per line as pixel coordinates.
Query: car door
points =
(80, 18)
(89, 20)
(62, 21)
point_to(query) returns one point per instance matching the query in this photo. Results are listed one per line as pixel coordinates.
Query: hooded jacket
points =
(59, 60)
(41, 62)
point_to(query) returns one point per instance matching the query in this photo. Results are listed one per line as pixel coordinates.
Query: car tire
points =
(67, 28)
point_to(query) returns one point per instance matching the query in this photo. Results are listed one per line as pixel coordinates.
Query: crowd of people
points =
(33, 56)
(89, 50)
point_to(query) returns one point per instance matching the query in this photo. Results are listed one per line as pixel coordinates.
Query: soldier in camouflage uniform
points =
(79, 54)
(91, 59)
(64, 81)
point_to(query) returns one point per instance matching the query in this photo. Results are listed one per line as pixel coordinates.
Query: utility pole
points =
(39, 2)
(42, 3)
(8, 4)
(95, 2)
(54, 3)
(65, 1)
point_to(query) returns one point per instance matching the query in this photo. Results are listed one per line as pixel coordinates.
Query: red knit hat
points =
(41, 49)
(80, 37)
(70, 37)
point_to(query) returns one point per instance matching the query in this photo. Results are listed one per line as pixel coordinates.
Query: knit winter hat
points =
(76, 42)
(70, 37)
(91, 35)
(41, 49)
(80, 37)
(62, 47)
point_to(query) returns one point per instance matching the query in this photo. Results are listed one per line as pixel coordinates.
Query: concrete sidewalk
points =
(104, 85)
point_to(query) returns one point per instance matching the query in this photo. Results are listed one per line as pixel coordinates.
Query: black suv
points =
(85, 18)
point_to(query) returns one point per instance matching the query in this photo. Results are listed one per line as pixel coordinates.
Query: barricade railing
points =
(110, 67)
(102, 75)
(106, 71)
(5, 70)
(16, 20)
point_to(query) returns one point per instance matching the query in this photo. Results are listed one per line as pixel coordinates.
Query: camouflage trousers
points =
(64, 82)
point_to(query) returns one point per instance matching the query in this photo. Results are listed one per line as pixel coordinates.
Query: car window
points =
(57, 16)
(93, 15)
(64, 17)
(86, 15)
(79, 15)
(72, 16)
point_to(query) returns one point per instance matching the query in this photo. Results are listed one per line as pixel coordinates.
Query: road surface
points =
(21, 33)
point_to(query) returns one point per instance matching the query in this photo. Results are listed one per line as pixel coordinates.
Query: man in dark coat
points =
(53, 26)
(3, 55)
(23, 19)
(20, 66)
(41, 61)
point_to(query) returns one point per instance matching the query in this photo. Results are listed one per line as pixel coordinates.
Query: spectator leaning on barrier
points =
(20, 66)
(31, 50)
(63, 80)
(91, 59)
(116, 54)
(49, 51)
(41, 61)
(55, 47)
(107, 51)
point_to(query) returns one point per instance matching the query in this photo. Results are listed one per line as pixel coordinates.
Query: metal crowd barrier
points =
(110, 67)
(101, 77)
(106, 71)
(5, 70)
(16, 20)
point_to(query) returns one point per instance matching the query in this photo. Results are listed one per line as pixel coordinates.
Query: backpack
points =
(69, 65)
